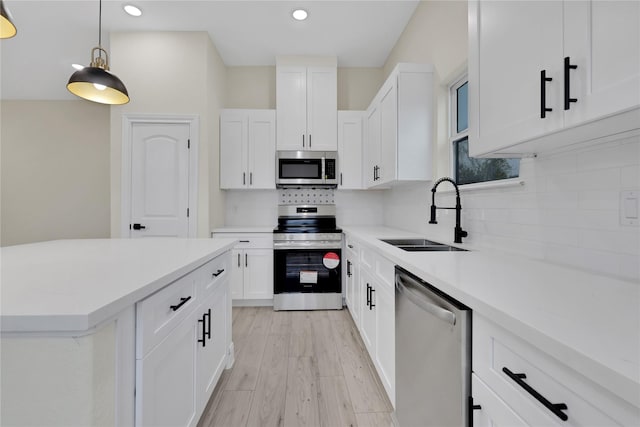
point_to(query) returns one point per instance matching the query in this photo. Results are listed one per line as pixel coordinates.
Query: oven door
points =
(307, 271)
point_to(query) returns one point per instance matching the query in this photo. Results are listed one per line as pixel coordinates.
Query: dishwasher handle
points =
(416, 293)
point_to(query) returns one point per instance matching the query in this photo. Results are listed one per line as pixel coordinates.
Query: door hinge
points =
(187, 212)
(188, 144)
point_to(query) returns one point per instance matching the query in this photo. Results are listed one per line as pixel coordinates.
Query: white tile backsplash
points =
(566, 212)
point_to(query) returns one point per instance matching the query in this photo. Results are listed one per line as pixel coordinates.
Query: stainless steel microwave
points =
(306, 168)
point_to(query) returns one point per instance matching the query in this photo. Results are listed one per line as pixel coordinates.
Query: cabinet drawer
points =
(499, 357)
(212, 273)
(160, 313)
(249, 240)
(352, 245)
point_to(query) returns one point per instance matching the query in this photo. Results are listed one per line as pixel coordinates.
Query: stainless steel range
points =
(307, 259)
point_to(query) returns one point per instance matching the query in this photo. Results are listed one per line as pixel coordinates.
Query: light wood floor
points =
(297, 368)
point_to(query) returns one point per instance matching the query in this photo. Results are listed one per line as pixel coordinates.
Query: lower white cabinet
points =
(252, 274)
(371, 302)
(251, 265)
(176, 377)
(516, 383)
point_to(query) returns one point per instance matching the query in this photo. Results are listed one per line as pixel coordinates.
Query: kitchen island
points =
(80, 318)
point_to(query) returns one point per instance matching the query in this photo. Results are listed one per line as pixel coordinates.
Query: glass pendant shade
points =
(7, 29)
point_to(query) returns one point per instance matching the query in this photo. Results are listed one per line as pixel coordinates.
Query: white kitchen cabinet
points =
(307, 106)
(513, 369)
(251, 267)
(178, 367)
(350, 141)
(400, 128)
(514, 111)
(247, 149)
(165, 390)
(352, 280)
(213, 327)
(492, 411)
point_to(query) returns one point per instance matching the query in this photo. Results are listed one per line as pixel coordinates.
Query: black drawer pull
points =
(371, 304)
(556, 408)
(348, 268)
(219, 272)
(543, 94)
(368, 295)
(208, 314)
(203, 340)
(567, 83)
(244, 241)
(183, 301)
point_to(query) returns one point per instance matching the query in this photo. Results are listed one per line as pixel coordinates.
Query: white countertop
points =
(73, 285)
(587, 321)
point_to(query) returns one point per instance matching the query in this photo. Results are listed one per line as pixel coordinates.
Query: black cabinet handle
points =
(138, 227)
(244, 241)
(208, 314)
(567, 83)
(217, 273)
(250, 178)
(244, 178)
(340, 178)
(556, 408)
(203, 340)
(368, 295)
(309, 140)
(183, 301)
(246, 262)
(350, 246)
(302, 141)
(543, 94)
(348, 268)
(371, 304)
(238, 260)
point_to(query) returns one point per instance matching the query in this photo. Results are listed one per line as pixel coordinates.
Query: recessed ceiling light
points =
(132, 10)
(299, 14)
(77, 66)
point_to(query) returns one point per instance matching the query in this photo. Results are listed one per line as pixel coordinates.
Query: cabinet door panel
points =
(386, 339)
(509, 44)
(262, 150)
(322, 109)
(350, 138)
(233, 150)
(258, 274)
(237, 274)
(372, 148)
(291, 99)
(211, 356)
(603, 39)
(388, 134)
(165, 394)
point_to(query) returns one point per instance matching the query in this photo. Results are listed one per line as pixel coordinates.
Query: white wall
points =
(55, 171)
(170, 73)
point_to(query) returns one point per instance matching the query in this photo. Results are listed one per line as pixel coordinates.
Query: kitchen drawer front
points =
(352, 245)
(493, 411)
(249, 240)
(212, 273)
(385, 271)
(495, 349)
(159, 314)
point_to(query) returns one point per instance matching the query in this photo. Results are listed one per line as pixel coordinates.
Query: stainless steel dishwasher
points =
(433, 355)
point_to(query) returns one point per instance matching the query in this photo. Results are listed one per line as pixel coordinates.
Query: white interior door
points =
(159, 180)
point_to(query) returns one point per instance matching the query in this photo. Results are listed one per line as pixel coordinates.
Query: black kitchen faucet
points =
(458, 232)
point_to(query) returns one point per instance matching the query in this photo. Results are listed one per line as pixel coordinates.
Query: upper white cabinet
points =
(543, 74)
(247, 149)
(307, 105)
(350, 140)
(400, 128)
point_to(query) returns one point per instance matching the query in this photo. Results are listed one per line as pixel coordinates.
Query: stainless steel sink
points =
(420, 245)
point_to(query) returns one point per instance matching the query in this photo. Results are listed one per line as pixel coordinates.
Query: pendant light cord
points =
(100, 28)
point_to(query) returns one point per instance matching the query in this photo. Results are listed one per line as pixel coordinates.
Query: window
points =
(469, 170)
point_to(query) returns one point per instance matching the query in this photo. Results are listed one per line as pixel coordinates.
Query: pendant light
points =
(7, 28)
(94, 82)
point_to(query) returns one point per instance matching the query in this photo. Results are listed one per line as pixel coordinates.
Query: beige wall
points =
(168, 73)
(436, 34)
(55, 171)
(255, 87)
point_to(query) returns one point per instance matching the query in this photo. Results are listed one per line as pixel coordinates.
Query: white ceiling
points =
(53, 34)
